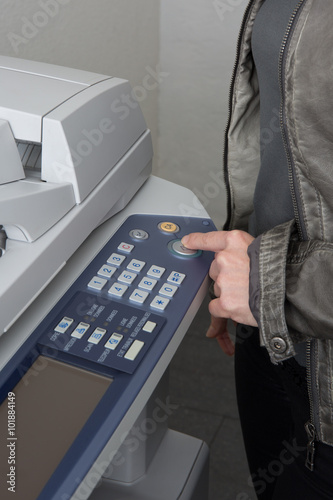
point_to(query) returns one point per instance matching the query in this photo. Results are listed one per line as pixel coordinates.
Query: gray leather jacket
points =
(291, 291)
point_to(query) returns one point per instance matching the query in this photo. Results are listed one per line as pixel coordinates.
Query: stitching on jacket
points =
(292, 127)
(294, 130)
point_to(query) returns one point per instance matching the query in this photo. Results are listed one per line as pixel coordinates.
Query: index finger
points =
(213, 241)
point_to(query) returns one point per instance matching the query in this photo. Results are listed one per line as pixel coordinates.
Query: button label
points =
(80, 330)
(64, 324)
(113, 341)
(97, 335)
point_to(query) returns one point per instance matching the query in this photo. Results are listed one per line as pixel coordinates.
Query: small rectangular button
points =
(156, 271)
(139, 296)
(64, 324)
(159, 303)
(149, 327)
(107, 271)
(134, 350)
(125, 247)
(113, 341)
(127, 277)
(147, 283)
(115, 259)
(168, 290)
(97, 283)
(136, 265)
(97, 335)
(118, 289)
(176, 278)
(80, 330)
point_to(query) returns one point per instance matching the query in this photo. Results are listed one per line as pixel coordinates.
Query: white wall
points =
(113, 37)
(198, 46)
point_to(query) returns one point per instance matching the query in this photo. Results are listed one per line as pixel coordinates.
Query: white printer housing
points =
(74, 150)
(73, 153)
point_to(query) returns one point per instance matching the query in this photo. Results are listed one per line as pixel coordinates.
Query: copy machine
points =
(96, 294)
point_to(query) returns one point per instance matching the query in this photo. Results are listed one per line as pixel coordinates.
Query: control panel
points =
(137, 287)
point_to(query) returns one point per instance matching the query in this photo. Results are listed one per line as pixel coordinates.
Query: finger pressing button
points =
(177, 248)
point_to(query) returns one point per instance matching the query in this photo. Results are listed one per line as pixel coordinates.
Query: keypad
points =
(133, 282)
(133, 269)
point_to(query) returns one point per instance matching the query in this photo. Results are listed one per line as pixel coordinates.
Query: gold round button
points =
(168, 227)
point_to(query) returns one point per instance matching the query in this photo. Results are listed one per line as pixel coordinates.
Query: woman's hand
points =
(230, 272)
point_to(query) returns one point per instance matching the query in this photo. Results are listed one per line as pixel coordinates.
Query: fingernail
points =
(185, 240)
(211, 333)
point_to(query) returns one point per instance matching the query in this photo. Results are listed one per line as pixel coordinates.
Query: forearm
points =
(290, 290)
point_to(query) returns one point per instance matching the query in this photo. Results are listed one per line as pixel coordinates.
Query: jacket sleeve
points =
(291, 289)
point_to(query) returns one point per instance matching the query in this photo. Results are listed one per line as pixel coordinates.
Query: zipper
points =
(310, 426)
(231, 91)
(292, 180)
(310, 449)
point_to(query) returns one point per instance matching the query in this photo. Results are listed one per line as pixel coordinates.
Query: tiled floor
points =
(202, 384)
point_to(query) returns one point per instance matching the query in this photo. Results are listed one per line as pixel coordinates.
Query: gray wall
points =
(113, 37)
(198, 40)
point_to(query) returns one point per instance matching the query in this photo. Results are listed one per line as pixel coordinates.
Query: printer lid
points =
(47, 86)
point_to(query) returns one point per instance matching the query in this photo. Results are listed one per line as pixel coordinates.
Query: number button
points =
(97, 283)
(136, 265)
(118, 289)
(168, 290)
(156, 271)
(147, 283)
(127, 277)
(106, 271)
(116, 259)
(139, 296)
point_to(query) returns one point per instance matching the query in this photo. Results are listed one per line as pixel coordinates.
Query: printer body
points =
(82, 218)
(72, 155)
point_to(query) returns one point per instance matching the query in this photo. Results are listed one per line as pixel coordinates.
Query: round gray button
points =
(278, 345)
(139, 234)
(178, 248)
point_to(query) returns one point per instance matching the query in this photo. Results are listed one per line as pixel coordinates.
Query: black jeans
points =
(273, 406)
